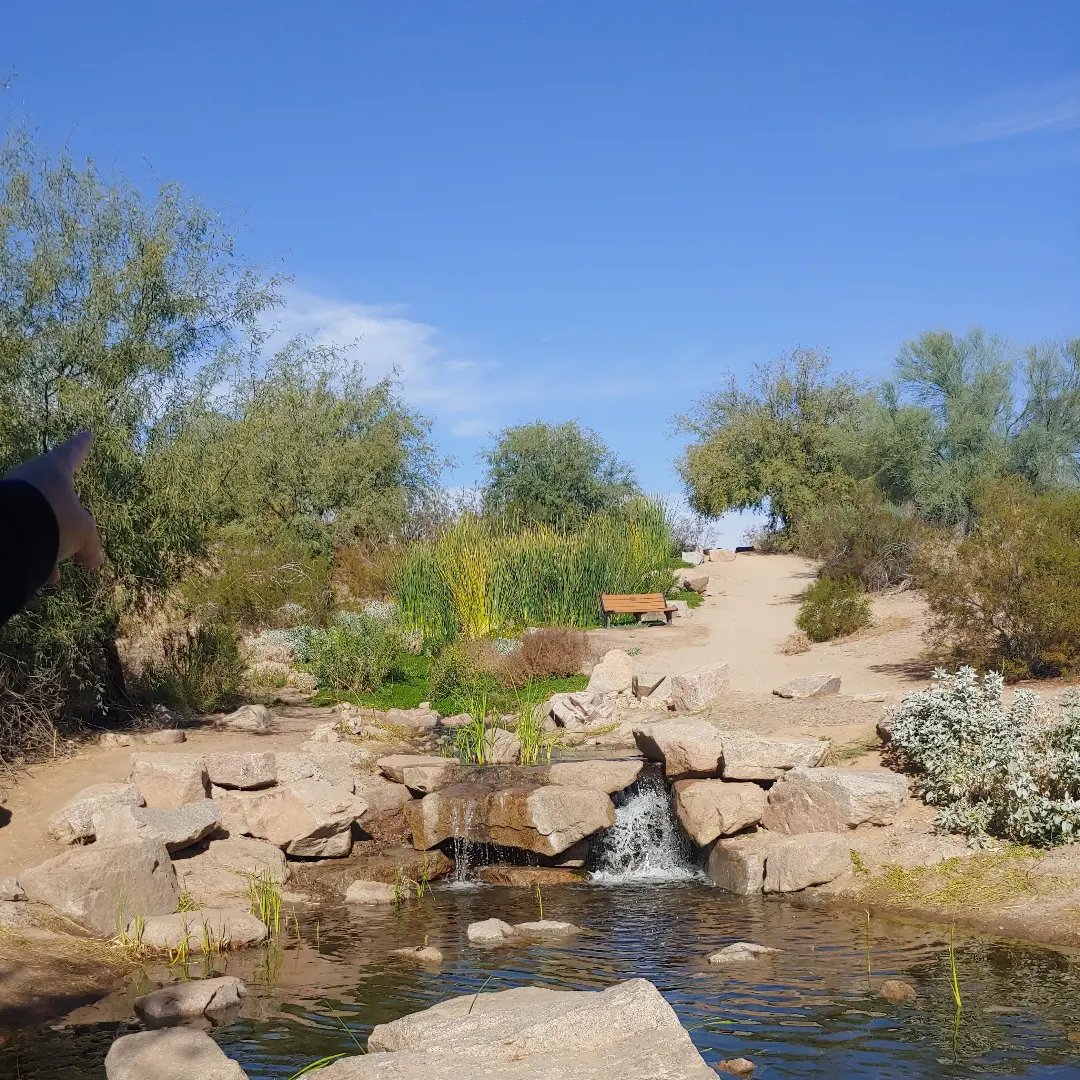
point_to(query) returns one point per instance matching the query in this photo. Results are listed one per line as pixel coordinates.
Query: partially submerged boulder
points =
(740, 952)
(529, 877)
(625, 1032)
(765, 862)
(308, 818)
(832, 799)
(179, 1053)
(74, 821)
(203, 930)
(697, 690)
(419, 954)
(167, 781)
(183, 1001)
(370, 892)
(489, 932)
(808, 686)
(100, 888)
(708, 809)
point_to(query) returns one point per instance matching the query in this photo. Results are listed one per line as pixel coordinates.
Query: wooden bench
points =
(634, 604)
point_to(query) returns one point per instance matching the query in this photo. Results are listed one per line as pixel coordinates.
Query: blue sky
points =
(597, 209)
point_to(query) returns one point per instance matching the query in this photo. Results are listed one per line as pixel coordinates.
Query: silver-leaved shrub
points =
(1010, 772)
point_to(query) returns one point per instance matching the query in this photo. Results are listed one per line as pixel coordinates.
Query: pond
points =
(807, 1012)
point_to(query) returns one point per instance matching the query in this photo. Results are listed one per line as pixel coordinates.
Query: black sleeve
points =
(29, 542)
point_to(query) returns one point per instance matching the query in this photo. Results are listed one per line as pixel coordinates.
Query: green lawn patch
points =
(693, 599)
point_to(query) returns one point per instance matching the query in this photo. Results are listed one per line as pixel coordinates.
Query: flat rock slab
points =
(370, 892)
(225, 928)
(750, 756)
(766, 862)
(833, 799)
(176, 829)
(167, 781)
(246, 771)
(180, 1053)
(100, 887)
(74, 821)
(608, 776)
(182, 1001)
(547, 819)
(809, 686)
(547, 928)
(529, 877)
(697, 690)
(708, 809)
(626, 1032)
(422, 773)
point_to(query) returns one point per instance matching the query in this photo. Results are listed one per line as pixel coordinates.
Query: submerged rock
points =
(897, 991)
(370, 892)
(740, 952)
(547, 928)
(192, 998)
(179, 1053)
(489, 932)
(528, 877)
(420, 954)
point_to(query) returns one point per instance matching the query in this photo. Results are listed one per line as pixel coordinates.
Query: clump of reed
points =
(482, 576)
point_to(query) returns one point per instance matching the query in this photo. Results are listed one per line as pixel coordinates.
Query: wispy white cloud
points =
(1053, 106)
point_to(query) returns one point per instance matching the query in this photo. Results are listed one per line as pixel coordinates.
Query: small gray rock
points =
(253, 718)
(490, 932)
(184, 1000)
(10, 889)
(740, 952)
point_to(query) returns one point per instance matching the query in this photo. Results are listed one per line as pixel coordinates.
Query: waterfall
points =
(646, 843)
(465, 849)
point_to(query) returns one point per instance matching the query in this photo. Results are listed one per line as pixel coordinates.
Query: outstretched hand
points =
(53, 475)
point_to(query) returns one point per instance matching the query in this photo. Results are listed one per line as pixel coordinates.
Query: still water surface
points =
(805, 1013)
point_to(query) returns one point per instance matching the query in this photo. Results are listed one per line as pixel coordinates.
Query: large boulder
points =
(781, 864)
(220, 875)
(384, 818)
(74, 821)
(167, 781)
(546, 820)
(708, 809)
(613, 675)
(809, 686)
(183, 1001)
(206, 929)
(583, 710)
(309, 818)
(422, 773)
(421, 719)
(625, 1032)
(696, 690)
(101, 888)
(689, 749)
(176, 829)
(750, 756)
(832, 799)
(247, 771)
(602, 774)
(179, 1053)
(254, 719)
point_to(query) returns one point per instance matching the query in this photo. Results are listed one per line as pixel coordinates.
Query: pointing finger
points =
(73, 452)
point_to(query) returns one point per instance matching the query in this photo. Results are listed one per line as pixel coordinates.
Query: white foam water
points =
(646, 844)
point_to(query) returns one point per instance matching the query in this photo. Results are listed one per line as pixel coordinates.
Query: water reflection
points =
(807, 1012)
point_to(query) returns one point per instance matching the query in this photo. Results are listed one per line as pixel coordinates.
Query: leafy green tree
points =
(108, 302)
(779, 444)
(553, 474)
(305, 445)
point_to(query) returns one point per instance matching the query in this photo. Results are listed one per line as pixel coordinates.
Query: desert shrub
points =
(795, 643)
(1009, 772)
(482, 576)
(1008, 596)
(865, 538)
(364, 571)
(458, 670)
(254, 584)
(200, 670)
(358, 654)
(546, 653)
(832, 608)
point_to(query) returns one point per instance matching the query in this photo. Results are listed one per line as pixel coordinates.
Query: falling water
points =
(465, 850)
(646, 843)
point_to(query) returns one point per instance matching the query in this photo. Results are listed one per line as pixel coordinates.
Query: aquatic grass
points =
(480, 577)
(537, 743)
(539, 900)
(315, 1066)
(474, 742)
(869, 947)
(953, 977)
(264, 892)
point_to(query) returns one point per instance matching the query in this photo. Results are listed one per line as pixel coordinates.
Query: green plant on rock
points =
(832, 608)
(265, 895)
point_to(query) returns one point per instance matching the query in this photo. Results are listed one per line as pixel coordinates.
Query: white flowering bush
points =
(1009, 772)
